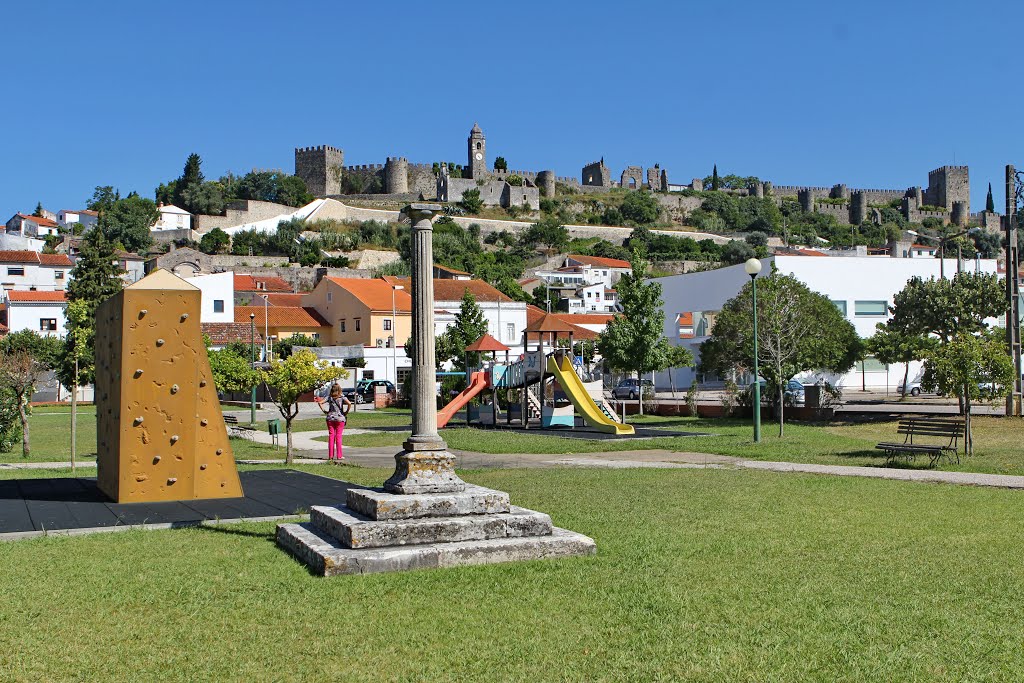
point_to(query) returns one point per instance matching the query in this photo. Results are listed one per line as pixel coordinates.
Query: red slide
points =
(477, 383)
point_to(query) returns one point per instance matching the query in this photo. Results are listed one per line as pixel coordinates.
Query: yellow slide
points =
(577, 393)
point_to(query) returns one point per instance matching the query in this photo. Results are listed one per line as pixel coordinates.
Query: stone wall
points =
(596, 174)
(171, 236)
(240, 213)
(634, 174)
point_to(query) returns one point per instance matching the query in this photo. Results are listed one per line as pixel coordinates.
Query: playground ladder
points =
(533, 403)
(607, 410)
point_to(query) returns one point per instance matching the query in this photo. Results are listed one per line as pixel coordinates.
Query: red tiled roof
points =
(39, 220)
(28, 256)
(438, 266)
(586, 318)
(534, 316)
(452, 290)
(281, 316)
(252, 283)
(487, 343)
(686, 318)
(52, 297)
(226, 333)
(600, 261)
(4, 329)
(376, 294)
(285, 299)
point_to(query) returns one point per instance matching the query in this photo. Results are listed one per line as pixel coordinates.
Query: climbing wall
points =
(160, 432)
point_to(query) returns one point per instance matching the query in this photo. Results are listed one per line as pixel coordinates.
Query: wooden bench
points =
(236, 429)
(947, 432)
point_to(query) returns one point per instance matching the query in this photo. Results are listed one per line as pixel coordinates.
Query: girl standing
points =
(336, 409)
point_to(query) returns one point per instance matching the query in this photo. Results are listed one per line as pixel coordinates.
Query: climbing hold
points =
(202, 467)
(184, 317)
(174, 388)
(202, 383)
(156, 459)
(138, 420)
(143, 312)
(219, 451)
(203, 422)
(174, 439)
(171, 480)
(159, 342)
(138, 373)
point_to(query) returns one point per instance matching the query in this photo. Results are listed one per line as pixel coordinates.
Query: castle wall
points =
(946, 185)
(597, 174)
(317, 166)
(240, 213)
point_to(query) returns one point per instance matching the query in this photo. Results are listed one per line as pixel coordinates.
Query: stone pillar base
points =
(424, 472)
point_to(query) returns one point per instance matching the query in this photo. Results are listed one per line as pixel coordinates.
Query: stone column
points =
(425, 466)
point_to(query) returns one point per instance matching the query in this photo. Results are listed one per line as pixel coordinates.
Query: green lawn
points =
(716, 575)
(50, 432)
(997, 442)
(361, 419)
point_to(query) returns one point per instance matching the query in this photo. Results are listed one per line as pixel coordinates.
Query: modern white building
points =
(40, 312)
(862, 288)
(172, 218)
(28, 271)
(218, 297)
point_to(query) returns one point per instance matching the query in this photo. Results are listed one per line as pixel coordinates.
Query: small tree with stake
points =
(298, 374)
(19, 374)
(891, 344)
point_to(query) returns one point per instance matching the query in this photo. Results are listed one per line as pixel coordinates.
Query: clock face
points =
(479, 156)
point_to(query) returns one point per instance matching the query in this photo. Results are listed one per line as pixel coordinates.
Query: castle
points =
(947, 197)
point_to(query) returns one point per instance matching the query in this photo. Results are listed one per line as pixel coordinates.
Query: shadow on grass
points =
(233, 530)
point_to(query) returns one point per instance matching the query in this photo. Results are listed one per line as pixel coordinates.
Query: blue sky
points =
(871, 94)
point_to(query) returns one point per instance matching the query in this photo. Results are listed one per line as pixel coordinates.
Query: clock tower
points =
(477, 166)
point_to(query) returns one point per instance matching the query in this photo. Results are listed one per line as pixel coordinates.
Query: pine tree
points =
(189, 183)
(470, 325)
(39, 205)
(716, 183)
(990, 204)
(94, 279)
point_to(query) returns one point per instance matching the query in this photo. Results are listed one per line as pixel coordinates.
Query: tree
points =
(990, 204)
(10, 424)
(737, 252)
(471, 201)
(966, 366)
(635, 341)
(284, 347)
(640, 207)
(94, 279)
(298, 374)
(19, 375)
(214, 242)
(500, 164)
(891, 344)
(232, 371)
(716, 183)
(103, 197)
(547, 231)
(757, 239)
(470, 324)
(39, 206)
(948, 308)
(46, 350)
(799, 330)
(128, 221)
(79, 349)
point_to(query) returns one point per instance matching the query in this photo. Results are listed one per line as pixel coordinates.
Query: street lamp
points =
(753, 267)
(394, 333)
(252, 353)
(266, 329)
(942, 248)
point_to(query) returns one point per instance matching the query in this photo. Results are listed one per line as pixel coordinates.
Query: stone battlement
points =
(363, 168)
(318, 148)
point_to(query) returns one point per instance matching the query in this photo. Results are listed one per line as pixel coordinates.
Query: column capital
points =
(421, 214)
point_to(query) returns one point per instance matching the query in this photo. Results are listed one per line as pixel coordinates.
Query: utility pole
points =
(1013, 401)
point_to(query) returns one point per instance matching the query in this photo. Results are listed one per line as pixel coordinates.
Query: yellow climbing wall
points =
(160, 431)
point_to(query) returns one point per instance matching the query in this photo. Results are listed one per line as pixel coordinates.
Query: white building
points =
(861, 287)
(172, 218)
(28, 271)
(598, 268)
(31, 226)
(40, 312)
(218, 300)
(85, 217)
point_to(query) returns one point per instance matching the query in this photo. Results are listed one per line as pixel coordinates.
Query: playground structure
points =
(160, 432)
(546, 385)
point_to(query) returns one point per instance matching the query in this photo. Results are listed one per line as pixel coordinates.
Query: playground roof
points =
(487, 343)
(549, 322)
(535, 316)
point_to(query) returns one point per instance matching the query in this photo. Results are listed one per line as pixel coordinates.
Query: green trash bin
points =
(274, 428)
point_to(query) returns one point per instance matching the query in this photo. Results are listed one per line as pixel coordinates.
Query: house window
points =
(367, 374)
(510, 331)
(358, 323)
(15, 271)
(588, 294)
(48, 324)
(315, 335)
(403, 375)
(58, 275)
(218, 305)
(880, 308)
(387, 324)
(841, 305)
(328, 297)
(341, 325)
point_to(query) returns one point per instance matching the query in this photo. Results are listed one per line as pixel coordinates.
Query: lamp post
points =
(394, 333)
(252, 353)
(942, 248)
(266, 329)
(753, 267)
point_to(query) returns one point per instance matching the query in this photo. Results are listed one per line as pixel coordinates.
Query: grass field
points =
(715, 575)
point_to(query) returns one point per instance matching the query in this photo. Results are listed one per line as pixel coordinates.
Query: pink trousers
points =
(334, 432)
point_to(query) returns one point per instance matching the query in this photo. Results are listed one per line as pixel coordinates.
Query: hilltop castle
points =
(323, 168)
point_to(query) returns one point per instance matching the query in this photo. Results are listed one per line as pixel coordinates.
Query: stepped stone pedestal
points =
(376, 531)
(425, 516)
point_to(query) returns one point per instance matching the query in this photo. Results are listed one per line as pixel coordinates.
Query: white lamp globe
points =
(752, 266)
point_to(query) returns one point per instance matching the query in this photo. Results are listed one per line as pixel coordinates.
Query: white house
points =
(172, 218)
(598, 268)
(40, 312)
(862, 288)
(28, 271)
(85, 217)
(32, 226)
(218, 300)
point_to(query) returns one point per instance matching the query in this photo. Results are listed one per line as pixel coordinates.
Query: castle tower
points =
(961, 213)
(858, 207)
(546, 183)
(320, 168)
(806, 199)
(396, 175)
(477, 148)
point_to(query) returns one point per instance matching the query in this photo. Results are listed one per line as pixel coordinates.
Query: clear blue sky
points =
(874, 94)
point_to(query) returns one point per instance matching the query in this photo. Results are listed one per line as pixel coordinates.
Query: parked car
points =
(364, 390)
(913, 388)
(794, 392)
(630, 388)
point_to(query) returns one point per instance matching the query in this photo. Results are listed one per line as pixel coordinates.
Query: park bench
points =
(945, 434)
(236, 429)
